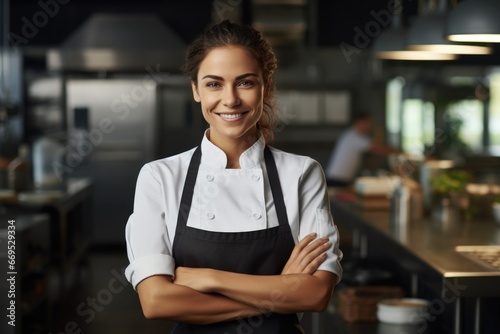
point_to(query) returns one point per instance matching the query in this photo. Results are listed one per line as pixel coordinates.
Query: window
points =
(494, 114)
(394, 93)
(417, 125)
(465, 119)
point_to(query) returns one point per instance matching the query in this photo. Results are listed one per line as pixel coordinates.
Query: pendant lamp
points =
(391, 44)
(427, 34)
(474, 21)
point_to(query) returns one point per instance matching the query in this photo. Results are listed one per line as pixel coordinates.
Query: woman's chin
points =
(234, 134)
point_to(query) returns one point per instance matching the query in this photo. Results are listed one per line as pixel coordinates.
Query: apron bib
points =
(261, 252)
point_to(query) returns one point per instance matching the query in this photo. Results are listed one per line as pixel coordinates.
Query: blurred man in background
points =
(347, 155)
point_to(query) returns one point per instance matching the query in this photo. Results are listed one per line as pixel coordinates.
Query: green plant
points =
(451, 181)
(497, 199)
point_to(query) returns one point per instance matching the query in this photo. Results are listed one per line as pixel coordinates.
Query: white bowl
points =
(402, 310)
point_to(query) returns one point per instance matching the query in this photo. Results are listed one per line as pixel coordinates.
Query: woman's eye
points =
(213, 84)
(246, 83)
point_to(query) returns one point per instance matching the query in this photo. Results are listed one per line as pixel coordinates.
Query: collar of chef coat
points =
(214, 157)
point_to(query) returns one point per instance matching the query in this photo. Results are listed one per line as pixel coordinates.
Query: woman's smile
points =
(232, 117)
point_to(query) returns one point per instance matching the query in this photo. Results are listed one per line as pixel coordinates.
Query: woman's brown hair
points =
(227, 33)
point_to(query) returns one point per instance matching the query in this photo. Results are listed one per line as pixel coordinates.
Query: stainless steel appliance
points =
(112, 127)
(119, 42)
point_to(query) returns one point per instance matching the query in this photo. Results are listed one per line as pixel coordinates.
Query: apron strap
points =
(192, 174)
(187, 192)
(274, 182)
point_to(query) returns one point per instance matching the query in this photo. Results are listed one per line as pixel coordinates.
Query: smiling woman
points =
(233, 236)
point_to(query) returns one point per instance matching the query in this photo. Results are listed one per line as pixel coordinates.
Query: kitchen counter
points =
(427, 250)
(69, 210)
(433, 243)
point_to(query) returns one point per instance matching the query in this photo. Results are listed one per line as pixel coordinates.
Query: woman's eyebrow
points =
(216, 77)
(246, 75)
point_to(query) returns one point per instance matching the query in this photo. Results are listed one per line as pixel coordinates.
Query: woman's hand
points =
(195, 278)
(307, 255)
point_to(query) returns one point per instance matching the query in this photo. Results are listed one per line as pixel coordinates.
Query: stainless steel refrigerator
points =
(112, 126)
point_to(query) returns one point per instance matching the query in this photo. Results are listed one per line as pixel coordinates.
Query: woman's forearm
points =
(299, 288)
(279, 293)
(161, 299)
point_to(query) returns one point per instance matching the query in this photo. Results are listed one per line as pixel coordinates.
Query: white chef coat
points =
(224, 200)
(346, 158)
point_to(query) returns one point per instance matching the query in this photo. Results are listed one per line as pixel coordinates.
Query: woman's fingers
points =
(310, 257)
(302, 244)
(312, 248)
(307, 255)
(313, 260)
(294, 259)
(297, 249)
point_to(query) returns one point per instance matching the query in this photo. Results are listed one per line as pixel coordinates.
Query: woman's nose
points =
(231, 98)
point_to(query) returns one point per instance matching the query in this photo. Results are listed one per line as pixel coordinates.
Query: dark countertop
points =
(427, 247)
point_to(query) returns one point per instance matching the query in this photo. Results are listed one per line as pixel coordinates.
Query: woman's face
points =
(231, 89)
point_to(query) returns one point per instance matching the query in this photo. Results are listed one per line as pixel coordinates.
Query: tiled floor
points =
(103, 301)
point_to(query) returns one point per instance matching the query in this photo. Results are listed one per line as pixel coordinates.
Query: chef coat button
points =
(210, 177)
(210, 215)
(256, 216)
(255, 177)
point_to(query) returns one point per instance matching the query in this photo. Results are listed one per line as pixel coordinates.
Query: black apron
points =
(261, 252)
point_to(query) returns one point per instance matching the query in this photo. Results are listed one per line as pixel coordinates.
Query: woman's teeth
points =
(231, 116)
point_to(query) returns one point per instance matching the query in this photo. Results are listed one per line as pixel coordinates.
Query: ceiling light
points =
(426, 34)
(391, 44)
(474, 21)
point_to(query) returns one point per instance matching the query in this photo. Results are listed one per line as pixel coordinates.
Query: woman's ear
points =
(196, 96)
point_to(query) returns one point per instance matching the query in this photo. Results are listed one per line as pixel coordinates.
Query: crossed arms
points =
(203, 296)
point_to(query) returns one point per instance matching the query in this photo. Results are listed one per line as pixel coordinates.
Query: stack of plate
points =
(402, 310)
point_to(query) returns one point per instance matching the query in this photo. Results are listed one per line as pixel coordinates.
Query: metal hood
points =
(119, 42)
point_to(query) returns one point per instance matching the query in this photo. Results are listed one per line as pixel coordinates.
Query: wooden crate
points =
(359, 304)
